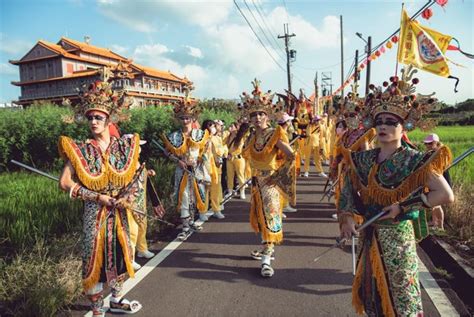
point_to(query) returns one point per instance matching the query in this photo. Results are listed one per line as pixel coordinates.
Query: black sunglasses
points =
(392, 123)
(96, 117)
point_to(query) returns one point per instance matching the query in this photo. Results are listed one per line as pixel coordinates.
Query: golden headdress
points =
(259, 101)
(100, 96)
(399, 98)
(188, 106)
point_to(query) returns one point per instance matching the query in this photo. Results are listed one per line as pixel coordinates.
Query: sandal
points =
(267, 270)
(257, 255)
(124, 306)
(195, 226)
(184, 235)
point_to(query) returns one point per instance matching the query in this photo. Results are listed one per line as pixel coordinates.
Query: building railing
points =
(152, 90)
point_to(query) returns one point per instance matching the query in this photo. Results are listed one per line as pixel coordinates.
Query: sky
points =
(211, 43)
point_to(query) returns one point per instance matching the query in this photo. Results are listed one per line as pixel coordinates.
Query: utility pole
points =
(356, 72)
(316, 104)
(369, 49)
(289, 53)
(342, 59)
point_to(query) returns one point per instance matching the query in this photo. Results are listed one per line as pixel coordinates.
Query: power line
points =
(258, 38)
(262, 30)
(269, 28)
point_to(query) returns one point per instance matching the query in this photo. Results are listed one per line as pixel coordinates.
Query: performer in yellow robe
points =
(269, 178)
(235, 160)
(314, 146)
(189, 146)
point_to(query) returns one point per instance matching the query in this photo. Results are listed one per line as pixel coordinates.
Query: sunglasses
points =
(392, 123)
(96, 117)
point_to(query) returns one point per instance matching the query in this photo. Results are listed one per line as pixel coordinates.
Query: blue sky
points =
(210, 42)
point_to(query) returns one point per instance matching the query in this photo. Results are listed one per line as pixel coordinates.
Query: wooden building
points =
(52, 72)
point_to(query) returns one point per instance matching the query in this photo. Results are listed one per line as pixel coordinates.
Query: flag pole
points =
(400, 39)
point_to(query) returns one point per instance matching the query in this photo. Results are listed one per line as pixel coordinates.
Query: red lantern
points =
(427, 14)
(377, 54)
(394, 39)
(442, 2)
(362, 66)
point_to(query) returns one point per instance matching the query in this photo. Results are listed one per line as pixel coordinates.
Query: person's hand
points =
(348, 228)
(151, 173)
(106, 200)
(392, 212)
(159, 211)
(321, 151)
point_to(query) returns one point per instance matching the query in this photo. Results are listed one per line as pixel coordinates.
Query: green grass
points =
(32, 207)
(458, 139)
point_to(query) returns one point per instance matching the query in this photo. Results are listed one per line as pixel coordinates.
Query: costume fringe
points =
(182, 188)
(179, 151)
(257, 217)
(379, 274)
(92, 278)
(124, 242)
(200, 204)
(278, 134)
(375, 193)
(107, 175)
(199, 143)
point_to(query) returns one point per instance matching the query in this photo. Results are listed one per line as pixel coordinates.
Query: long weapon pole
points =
(383, 213)
(37, 171)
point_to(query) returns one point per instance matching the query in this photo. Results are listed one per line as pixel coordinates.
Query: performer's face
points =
(259, 119)
(389, 128)
(186, 121)
(98, 121)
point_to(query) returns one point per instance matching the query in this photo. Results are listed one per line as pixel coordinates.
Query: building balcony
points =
(152, 91)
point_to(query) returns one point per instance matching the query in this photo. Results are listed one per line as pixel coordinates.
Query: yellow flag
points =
(423, 47)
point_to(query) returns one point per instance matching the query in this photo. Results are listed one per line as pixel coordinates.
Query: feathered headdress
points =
(259, 101)
(399, 98)
(188, 106)
(100, 96)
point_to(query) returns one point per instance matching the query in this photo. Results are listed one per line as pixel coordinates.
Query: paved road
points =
(212, 274)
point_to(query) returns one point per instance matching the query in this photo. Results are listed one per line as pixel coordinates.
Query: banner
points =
(422, 47)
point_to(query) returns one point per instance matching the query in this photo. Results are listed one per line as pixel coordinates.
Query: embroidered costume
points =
(189, 190)
(270, 177)
(386, 281)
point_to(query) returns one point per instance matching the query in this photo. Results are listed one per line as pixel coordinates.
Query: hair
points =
(207, 124)
(344, 124)
(240, 134)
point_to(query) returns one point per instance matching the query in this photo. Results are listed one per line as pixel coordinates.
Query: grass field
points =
(458, 139)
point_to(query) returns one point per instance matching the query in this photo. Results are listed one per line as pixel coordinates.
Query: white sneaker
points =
(334, 216)
(306, 174)
(136, 266)
(283, 215)
(145, 254)
(242, 194)
(219, 215)
(322, 174)
(203, 217)
(289, 209)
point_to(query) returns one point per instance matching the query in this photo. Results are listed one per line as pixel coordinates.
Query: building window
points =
(69, 68)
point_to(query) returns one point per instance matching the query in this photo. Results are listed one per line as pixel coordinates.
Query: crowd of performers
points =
(372, 167)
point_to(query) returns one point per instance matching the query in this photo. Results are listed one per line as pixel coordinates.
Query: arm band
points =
(80, 192)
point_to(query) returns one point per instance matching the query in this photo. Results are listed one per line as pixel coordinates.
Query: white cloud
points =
(7, 69)
(194, 51)
(14, 46)
(121, 50)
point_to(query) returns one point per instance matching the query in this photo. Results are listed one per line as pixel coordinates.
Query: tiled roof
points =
(82, 46)
(82, 73)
